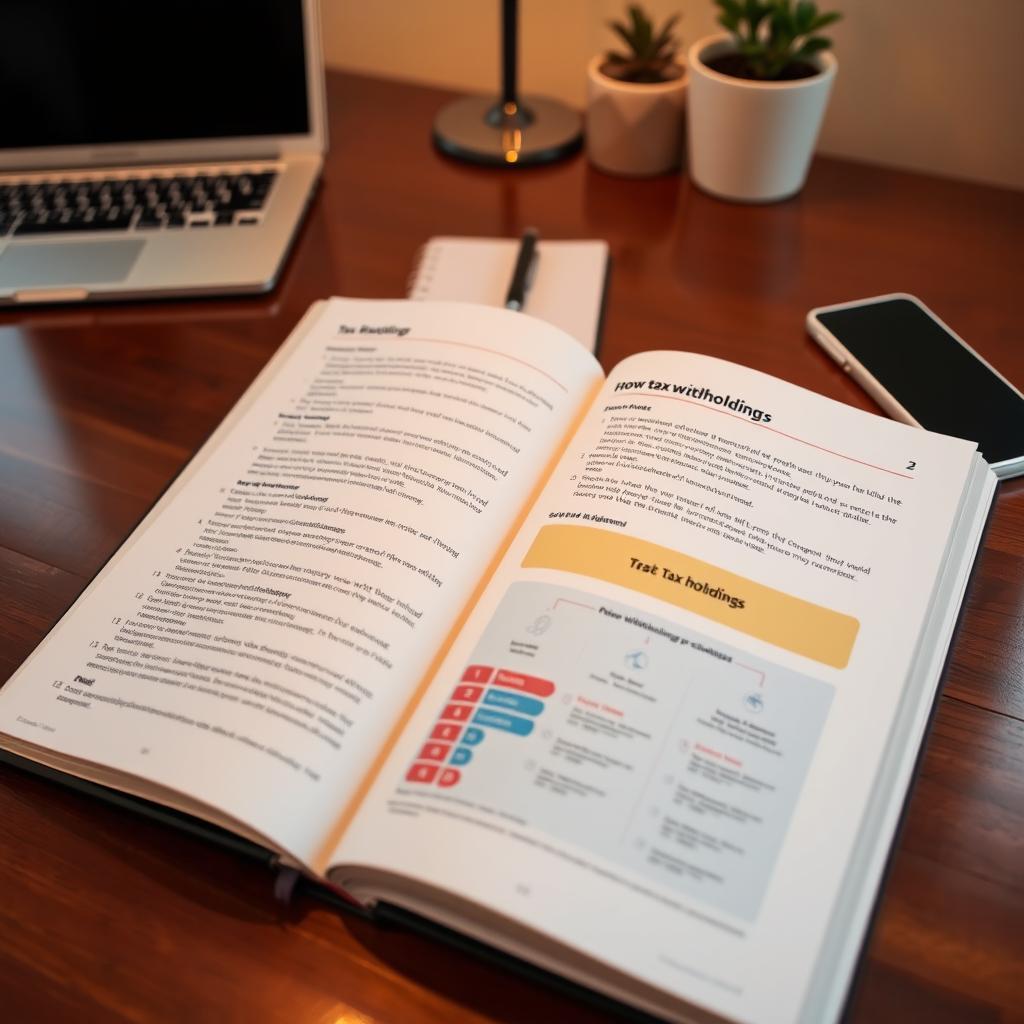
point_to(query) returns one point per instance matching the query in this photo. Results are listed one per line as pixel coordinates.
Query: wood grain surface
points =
(107, 917)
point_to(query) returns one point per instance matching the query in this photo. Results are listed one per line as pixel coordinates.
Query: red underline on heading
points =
(489, 351)
(750, 668)
(781, 433)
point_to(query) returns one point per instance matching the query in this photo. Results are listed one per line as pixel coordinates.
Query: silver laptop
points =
(150, 150)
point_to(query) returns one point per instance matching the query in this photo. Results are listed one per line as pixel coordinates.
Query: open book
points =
(625, 677)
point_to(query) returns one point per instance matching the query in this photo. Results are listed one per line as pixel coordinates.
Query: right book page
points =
(656, 739)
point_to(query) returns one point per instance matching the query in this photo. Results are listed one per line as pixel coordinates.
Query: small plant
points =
(774, 38)
(651, 56)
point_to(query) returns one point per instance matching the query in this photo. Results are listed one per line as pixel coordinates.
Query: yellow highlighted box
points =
(686, 582)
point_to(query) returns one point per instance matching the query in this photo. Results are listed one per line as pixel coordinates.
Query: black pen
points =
(522, 276)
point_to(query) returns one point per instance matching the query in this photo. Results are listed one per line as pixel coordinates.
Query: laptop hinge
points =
(114, 163)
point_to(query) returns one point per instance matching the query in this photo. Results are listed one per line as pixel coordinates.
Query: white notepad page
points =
(567, 290)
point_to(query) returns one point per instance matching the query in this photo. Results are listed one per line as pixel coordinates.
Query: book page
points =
(256, 638)
(670, 706)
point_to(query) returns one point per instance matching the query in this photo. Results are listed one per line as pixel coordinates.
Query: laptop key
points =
(249, 202)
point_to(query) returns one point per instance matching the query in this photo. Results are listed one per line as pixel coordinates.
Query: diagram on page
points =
(653, 746)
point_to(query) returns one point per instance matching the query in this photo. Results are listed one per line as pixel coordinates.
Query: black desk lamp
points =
(508, 132)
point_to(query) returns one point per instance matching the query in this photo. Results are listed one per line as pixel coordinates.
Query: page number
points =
(911, 465)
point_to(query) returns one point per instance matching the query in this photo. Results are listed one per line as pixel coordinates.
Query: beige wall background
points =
(929, 85)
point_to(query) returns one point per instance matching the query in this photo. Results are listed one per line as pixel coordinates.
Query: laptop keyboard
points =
(146, 203)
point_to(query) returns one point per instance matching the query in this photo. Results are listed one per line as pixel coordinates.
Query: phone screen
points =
(944, 386)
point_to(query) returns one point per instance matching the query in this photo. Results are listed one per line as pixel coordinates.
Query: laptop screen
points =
(74, 73)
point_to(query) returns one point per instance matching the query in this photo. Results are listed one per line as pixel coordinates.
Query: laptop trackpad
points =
(44, 266)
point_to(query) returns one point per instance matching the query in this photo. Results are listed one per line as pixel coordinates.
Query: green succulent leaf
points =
(664, 37)
(812, 46)
(825, 19)
(623, 33)
(642, 30)
(803, 16)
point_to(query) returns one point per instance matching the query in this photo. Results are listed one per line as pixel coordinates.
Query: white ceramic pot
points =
(752, 141)
(634, 128)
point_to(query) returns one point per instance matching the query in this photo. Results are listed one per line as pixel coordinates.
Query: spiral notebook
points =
(568, 288)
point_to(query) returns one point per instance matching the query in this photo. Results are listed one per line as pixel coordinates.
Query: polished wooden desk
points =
(106, 917)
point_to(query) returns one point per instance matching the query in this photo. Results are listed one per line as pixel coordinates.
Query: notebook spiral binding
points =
(422, 273)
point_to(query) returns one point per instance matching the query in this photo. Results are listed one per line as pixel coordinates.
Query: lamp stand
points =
(508, 132)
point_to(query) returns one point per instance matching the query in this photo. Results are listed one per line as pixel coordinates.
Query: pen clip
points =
(524, 271)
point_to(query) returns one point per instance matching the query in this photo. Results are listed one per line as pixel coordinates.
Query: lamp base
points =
(479, 130)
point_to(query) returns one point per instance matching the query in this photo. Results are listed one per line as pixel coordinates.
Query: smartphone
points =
(920, 372)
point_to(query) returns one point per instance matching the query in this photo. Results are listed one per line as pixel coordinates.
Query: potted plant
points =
(635, 100)
(757, 98)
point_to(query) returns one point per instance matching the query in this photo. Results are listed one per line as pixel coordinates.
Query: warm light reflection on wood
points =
(511, 143)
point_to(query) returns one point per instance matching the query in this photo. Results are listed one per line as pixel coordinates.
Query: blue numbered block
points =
(473, 736)
(461, 755)
(514, 702)
(507, 723)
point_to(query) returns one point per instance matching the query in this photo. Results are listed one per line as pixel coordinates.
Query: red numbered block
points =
(446, 732)
(467, 693)
(478, 674)
(457, 712)
(421, 773)
(434, 751)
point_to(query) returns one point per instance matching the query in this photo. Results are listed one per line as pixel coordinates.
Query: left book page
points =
(247, 650)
